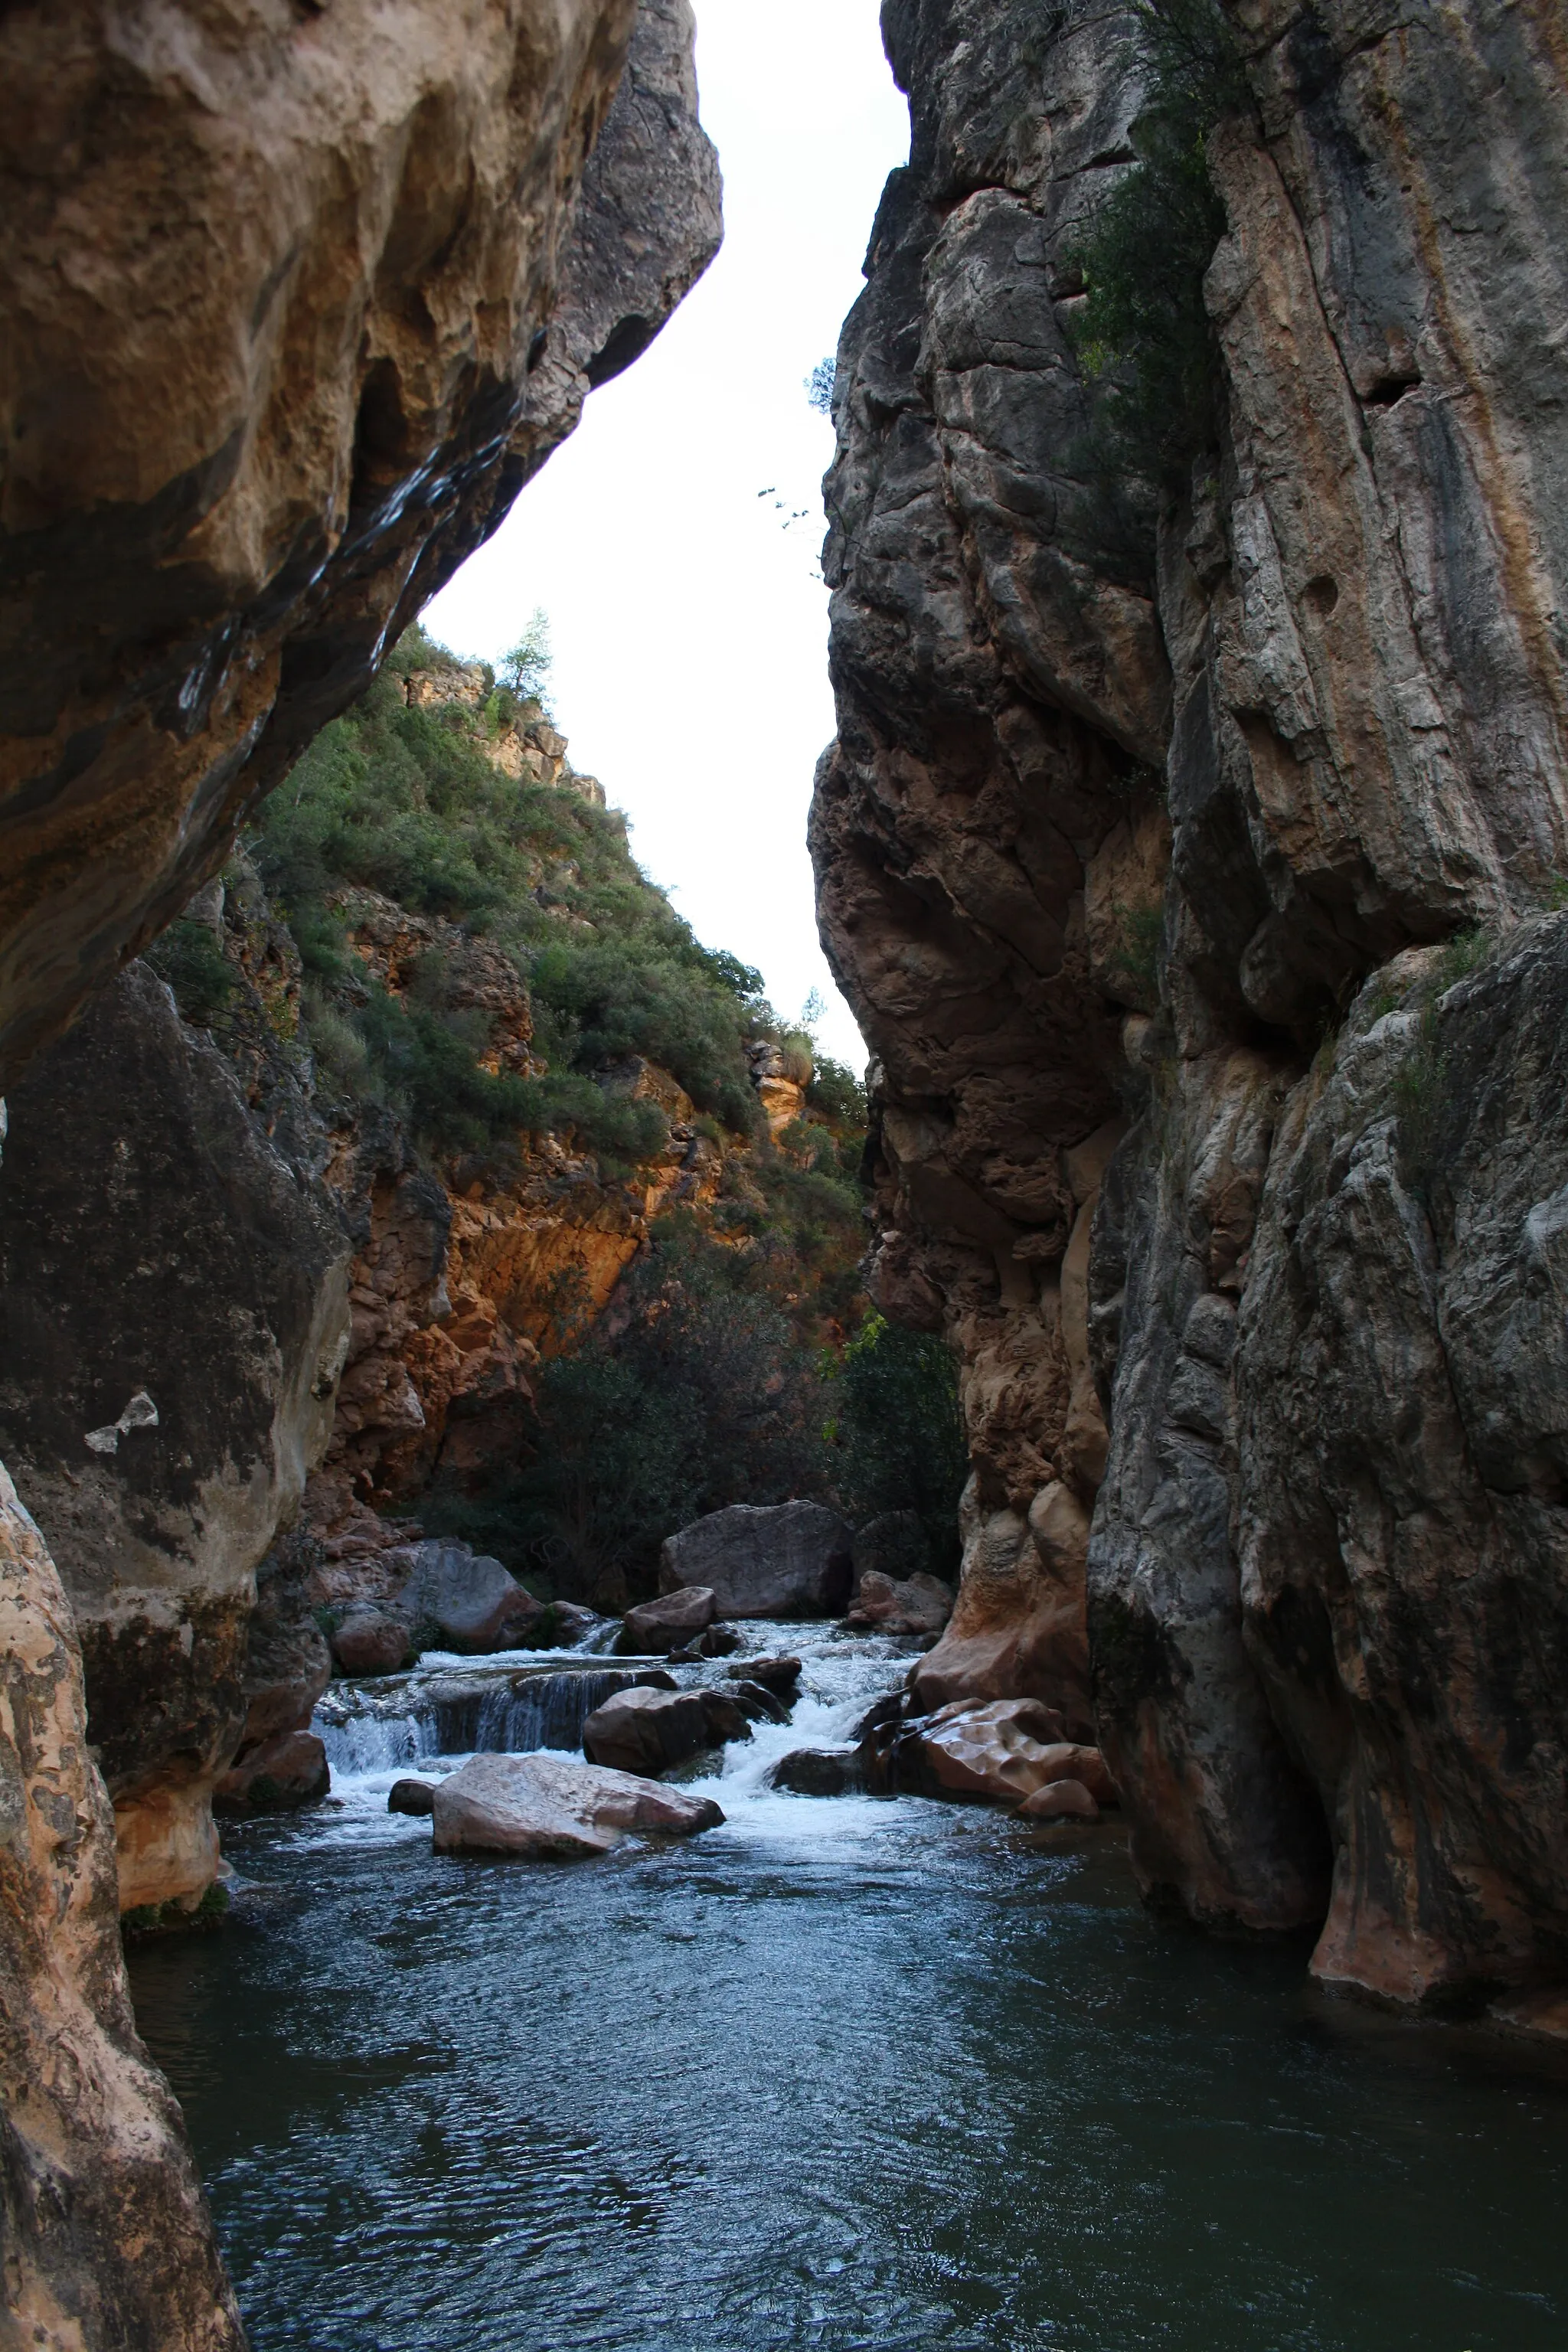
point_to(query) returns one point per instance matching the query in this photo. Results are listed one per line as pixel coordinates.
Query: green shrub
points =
(189, 959)
(900, 1432)
(1142, 333)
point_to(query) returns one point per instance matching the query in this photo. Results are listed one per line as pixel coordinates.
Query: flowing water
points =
(842, 2073)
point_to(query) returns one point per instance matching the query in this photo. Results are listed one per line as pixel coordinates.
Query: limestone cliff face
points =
(1114, 831)
(295, 299)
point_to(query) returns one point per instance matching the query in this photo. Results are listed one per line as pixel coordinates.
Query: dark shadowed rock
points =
(671, 1622)
(279, 1776)
(173, 1312)
(780, 1675)
(817, 1772)
(782, 1559)
(371, 1642)
(414, 1797)
(462, 1600)
(645, 1730)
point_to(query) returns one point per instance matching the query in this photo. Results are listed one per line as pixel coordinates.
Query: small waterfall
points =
(453, 1715)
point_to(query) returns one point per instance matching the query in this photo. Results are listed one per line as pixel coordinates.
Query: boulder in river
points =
(817, 1772)
(278, 1776)
(370, 1641)
(767, 1704)
(671, 1622)
(415, 1797)
(782, 1559)
(554, 1808)
(996, 1751)
(780, 1675)
(463, 1601)
(645, 1730)
(1059, 1801)
(921, 1604)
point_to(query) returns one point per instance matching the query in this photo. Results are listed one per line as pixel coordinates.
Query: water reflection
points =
(843, 2075)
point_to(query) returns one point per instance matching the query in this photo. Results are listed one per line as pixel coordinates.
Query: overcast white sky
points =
(687, 615)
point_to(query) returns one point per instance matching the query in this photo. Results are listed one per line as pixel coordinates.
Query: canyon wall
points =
(296, 298)
(1149, 810)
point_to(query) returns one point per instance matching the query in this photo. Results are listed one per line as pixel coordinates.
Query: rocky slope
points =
(296, 298)
(1155, 785)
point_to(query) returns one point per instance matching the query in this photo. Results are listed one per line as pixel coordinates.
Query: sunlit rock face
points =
(1316, 715)
(295, 299)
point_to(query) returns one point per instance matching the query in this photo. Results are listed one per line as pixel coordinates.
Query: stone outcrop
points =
(774, 1560)
(295, 300)
(1133, 794)
(157, 1244)
(380, 303)
(107, 2235)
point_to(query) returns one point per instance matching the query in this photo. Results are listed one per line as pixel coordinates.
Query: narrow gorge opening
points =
(781, 1546)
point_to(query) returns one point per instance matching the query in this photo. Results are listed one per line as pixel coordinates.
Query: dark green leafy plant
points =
(899, 1432)
(1142, 333)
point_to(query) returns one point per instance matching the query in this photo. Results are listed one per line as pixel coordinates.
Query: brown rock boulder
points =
(646, 1730)
(671, 1622)
(277, 1777)
(1059, 1801)
(921, 1604)
(997, 1752)
(370, 1641)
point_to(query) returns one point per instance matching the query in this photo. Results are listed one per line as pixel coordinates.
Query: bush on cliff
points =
(1143, 331)
(403, 800)
(898, 1433)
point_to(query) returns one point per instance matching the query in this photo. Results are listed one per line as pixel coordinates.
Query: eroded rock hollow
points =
(1189, 849)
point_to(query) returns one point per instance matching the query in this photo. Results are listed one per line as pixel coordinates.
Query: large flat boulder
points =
(554, 1808)
(782, 1559)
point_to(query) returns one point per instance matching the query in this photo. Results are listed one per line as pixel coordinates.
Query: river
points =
(845, 2073)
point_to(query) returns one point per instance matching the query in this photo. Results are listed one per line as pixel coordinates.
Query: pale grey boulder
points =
(782, 1559)
(554, 1808)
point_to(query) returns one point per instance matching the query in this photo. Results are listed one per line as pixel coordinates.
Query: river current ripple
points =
(843, 2074)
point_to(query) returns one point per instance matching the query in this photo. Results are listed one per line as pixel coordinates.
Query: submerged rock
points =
(1059, 1801)
(552, 1809)
(671, 1622)
(786, 1560)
